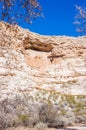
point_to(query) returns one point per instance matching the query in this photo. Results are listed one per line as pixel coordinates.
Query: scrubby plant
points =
(23, 118)
(41, 126)
(57, 110)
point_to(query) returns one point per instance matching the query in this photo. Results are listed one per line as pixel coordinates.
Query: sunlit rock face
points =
(29, 61)
(41, 69)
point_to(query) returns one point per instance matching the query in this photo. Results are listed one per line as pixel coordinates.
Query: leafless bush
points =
(15, 112)
(41, 126)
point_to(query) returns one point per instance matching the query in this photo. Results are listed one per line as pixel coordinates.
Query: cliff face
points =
(29, 61)
(35, 68)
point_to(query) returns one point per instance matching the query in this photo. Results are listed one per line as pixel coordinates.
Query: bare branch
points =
(80, 18)
(14, 10)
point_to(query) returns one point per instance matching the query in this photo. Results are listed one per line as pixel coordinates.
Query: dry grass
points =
(81, 127)
(26, 128)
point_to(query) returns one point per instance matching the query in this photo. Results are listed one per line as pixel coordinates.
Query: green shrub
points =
(23, 119)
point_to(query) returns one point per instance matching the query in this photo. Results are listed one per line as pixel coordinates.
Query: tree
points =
(14, 10)
(80, 18)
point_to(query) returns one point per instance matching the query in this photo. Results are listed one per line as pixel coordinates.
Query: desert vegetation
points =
(45, 109)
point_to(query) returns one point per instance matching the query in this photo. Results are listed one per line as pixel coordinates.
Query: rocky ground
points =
(77, 127)
(39, 74)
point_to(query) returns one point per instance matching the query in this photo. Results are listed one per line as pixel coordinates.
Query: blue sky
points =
(58, 18)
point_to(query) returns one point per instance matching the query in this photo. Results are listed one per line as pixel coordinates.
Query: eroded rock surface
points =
(36, 67)
(56, 63)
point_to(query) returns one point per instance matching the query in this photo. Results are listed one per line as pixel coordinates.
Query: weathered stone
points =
(36, 68)
(37, 45)
(56, 63)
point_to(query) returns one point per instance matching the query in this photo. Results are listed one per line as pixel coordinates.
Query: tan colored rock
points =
(48, 62)
(39, 69)
(37, 45)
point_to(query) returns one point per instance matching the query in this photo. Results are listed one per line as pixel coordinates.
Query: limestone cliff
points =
(31, 63)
